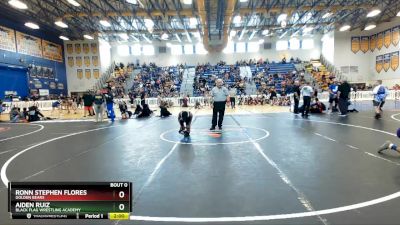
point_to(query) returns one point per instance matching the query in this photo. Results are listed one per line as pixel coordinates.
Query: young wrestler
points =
(185, 119)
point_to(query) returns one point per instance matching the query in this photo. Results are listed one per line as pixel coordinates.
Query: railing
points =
(331, 68)
(104, 77)
(154, 102)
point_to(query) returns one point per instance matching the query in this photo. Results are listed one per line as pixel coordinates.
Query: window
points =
(230, 48)
(241, 47)
(123, 50)
(307, 44)
(199, 48)
(188, 49)
(281, 45)
(136, 49)
(253, 47)
(176, 49)
(294, 44)
(148, 49)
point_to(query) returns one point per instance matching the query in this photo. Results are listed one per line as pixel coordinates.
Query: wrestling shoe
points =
(212, 128)
(186, 134)
(384, 146)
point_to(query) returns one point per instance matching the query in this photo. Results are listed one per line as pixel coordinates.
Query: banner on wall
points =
(355, 44)
(33, 71)
(386, 62)
(52, 85)
(70, 49)
(395, 35)
(44, 74)
(388, 38)
(7, 39)
(379, 63)
(86, 60)
(79, 61)
(78, 49)
(87, 73)
(70, 61)
(95, 61)
(96, 73)
(52, 51)
(93, 46)
(28, 45)
(394, 60)
(79, 73)
(372, 42)
(52, 74)
(379, 40)
(85, 48)
(364, 45)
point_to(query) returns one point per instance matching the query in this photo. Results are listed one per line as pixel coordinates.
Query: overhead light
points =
(17, 4)
(74, 3)
(32, 25)
(252, 35)
(61, 24)
(124, 36)
(345, 27)
(64, 38)
(370, 26)
(283, 24)
(265, 32)
(237, 19)
(307, 29)
(187, 2)
(88, 37)
(193, 21)
(326, 15)
(374, 12)
(243, 0)
(149, 23)
(164, 36)
(177, 37)
(134, 2)
(398, 14)
(105, 23)
(282, 17)
(146, 38)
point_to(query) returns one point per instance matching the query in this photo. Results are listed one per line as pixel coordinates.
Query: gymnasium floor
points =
(272, 168)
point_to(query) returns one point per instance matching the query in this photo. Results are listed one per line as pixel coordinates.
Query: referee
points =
(220, 95)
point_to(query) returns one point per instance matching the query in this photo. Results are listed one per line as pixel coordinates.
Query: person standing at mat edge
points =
(296, 96)
(98, 105)
(380, 93)
(306, 91)
(110, 105)
(343, 94)
(220, 96)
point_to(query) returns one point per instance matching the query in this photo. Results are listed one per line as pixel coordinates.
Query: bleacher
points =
(272, 69)
(320, 74)
(153, 73)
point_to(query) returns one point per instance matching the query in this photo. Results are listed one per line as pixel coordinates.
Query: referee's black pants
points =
(218, 110)
(306, 104)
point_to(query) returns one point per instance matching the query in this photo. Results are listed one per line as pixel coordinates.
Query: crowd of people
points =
(157, 81)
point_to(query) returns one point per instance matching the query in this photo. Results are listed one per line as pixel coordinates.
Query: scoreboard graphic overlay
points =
(70, 200)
